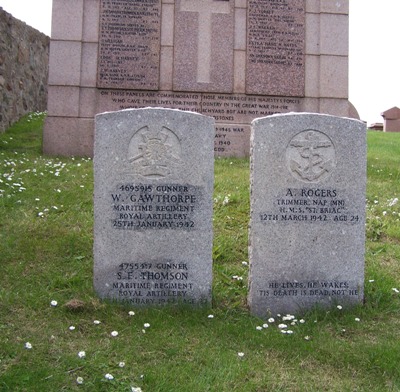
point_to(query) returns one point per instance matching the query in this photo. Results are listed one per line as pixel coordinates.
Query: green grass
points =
(46, 220)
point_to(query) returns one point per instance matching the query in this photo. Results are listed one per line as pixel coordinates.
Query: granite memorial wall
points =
(234, 60)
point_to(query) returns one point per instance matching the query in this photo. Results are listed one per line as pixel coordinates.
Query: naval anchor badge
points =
(310, 156)
(154, 153)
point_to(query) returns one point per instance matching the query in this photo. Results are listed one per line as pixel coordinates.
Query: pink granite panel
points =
(68, 136)
(65, 63)
(275, 47)
(59, 136)
(85, 137)
(88, 102)
(335, 6)
(240, 29)
(312, 34)
(335, 107)
(240, 71)
(313, 6)
(309, 105)
(166, 65)
(63, 101)
(204, 42)
(167, 25)
(89, 64)
(334, 34)
(67, 20)
(241, 3)
(334, 77)
(91, 16)
(129, 46)
(312, 76)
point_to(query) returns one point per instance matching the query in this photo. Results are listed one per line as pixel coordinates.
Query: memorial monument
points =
(235, 60)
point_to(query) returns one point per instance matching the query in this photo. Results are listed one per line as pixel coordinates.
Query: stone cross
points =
(205, 10)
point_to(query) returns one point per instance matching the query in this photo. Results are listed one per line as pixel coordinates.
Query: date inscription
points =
(311, 205)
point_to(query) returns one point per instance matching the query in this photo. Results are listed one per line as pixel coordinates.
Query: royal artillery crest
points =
(154, 153)
(310, 156)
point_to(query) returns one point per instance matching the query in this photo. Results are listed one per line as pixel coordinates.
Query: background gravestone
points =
(307, 231)
(153, 172)
(235, 60)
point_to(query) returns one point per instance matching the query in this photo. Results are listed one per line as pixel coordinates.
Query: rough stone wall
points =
(24, 59)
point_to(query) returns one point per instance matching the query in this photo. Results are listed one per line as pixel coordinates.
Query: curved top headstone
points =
(153, 172)
(307, 230)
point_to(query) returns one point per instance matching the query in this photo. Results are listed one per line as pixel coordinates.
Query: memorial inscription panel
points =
(203, 65)
(276, 48)
(153, 207)
(129, 44)
(308, 178)
(232, 112)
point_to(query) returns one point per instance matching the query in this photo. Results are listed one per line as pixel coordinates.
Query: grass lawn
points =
(46, 219)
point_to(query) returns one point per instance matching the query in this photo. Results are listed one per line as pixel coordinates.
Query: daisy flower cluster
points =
(35, 115)
(380, 214)
(284, 323)
(390, 207)
(11, 178)
(240, 278)
(111, 373)
(17, 171)
(222, 199)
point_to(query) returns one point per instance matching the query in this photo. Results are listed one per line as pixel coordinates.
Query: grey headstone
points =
(307, 234)
(153, 171)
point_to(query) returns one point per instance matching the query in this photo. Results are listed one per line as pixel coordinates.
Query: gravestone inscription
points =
(308, 179)
(153, 172)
